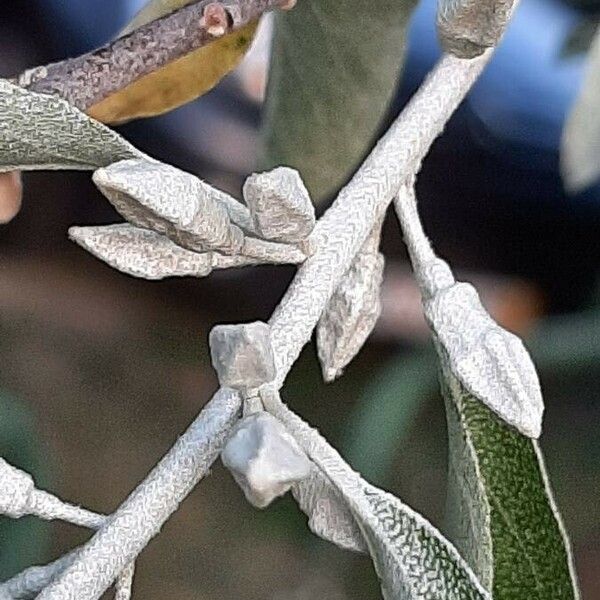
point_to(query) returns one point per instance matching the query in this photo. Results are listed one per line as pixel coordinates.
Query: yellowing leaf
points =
(179, 82)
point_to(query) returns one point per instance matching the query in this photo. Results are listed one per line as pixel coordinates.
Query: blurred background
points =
(101, 372)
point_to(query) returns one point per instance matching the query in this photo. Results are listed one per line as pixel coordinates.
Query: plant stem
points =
(337, 238)
(342, 230)
(141, 516)
(87, 79)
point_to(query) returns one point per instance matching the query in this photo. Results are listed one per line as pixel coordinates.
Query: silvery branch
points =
(178, 225)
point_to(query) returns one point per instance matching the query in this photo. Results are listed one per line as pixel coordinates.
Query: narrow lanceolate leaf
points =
(170, 201)
(580, 152)
(411, 557)
(178, 82)
(351, 314)
(147, 254)
(504, 518)
(140, 252)
(43, 132)
(331, 59)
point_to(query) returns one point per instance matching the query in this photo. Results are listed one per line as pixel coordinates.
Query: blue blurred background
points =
(102, 372)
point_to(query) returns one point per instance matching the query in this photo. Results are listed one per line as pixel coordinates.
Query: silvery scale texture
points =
(141, 252)
(352, 311)
(468, 27)
(55, 135)
(280, 205)
(181, 226)
(489, 361)
(144, 253)
(264, 458)
(172, 202)
(242, 355)
(383, 521)
(328, 514)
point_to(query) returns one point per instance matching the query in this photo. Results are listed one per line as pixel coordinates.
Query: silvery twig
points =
(29, 582)
(469, 27)
(405, 547)
(337, 237)
(20, 497)
(489, 361)
(128, 530)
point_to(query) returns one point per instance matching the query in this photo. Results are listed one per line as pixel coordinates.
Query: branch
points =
(142, 515)
(337, 238)
(340, 233)
(86, 80)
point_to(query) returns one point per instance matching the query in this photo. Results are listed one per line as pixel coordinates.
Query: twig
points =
(142, 515)
(417, 243)
(86, 80)
(340, 233)
(336, 239)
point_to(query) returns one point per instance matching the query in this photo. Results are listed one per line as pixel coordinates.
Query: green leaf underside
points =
(505, 521)
(412, 559)
(334, 70)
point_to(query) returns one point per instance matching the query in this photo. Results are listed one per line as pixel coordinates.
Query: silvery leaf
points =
(242, 355)
(580, 151)
(503, 514)
(411, 557)
(170, 201)
(468, 27)
(489, 361)
(140, 252)
(38, 131)
(280, 205)
(264, 458)
(351, 314)
(327, 512)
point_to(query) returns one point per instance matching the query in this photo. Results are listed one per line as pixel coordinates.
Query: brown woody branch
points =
(87, 79)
